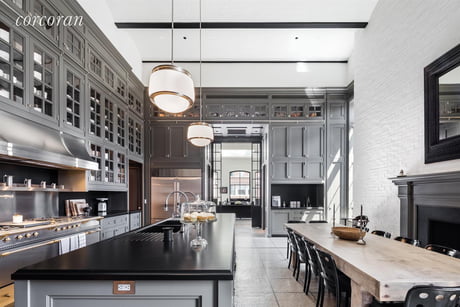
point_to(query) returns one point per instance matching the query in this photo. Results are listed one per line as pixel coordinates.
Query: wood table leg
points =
(359, 297)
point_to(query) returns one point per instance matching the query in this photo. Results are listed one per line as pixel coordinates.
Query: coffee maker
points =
(102, 206)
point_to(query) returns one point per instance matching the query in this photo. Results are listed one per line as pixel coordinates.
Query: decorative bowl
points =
(348, 233)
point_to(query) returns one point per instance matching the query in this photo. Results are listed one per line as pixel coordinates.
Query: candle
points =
(361, 211)
(333, 215)
(17, 219)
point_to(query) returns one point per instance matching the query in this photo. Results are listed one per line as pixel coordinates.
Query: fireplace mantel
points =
(434, 190)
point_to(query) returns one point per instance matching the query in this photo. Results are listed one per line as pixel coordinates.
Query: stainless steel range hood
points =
(28, 142)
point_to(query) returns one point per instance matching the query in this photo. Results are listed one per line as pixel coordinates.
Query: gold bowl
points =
(348, 233)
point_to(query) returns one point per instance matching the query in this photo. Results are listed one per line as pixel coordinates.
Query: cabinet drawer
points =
(296, 215)
(114, 221)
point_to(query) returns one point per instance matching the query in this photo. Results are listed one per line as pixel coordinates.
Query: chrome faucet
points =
(195, 197)
(176, 212)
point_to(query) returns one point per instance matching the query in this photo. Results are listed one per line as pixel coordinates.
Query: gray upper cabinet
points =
(297, 153)
(95, 112)
(169, 144)
(74, 45)
(72, 79)
(279, 142)
(73, 113)
(44, 79)
(296, 142)
(313, 143)
(13, 65)
(43, 8)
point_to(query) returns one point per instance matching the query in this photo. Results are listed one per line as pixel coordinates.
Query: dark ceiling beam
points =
(242, 25)
(244, 62)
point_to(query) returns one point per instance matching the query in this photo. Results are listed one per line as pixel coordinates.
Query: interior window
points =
(239, 185)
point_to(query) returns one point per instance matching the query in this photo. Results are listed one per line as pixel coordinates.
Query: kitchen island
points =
(137, 269)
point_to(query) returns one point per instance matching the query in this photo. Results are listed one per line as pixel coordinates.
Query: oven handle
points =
(29, 247)
(41, 244)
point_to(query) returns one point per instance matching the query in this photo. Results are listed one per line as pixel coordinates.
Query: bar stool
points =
(331, 279)
(408, 241)
(381, 233)
(443, 250)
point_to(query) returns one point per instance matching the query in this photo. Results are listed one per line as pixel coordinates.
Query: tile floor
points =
(262, 277)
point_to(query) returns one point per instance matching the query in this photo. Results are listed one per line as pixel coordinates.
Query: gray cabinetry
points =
(44, 82)
(169, 143)
(134, 220)
(114, 226)
(336, 158)
(72, 113)
(297, 152)
(279, 218)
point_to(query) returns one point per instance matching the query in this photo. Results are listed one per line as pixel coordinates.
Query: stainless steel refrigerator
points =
(162, 186)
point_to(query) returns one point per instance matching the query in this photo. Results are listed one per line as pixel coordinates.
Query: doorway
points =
(135, 186)
(236, 177)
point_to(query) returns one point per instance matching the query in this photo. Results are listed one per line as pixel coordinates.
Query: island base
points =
(100, 293)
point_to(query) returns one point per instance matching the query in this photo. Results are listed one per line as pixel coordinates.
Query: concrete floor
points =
(262, 277)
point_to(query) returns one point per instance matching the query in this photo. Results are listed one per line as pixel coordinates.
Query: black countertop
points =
(134, 256)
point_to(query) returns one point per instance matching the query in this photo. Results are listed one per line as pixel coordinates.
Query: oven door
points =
(14, 259)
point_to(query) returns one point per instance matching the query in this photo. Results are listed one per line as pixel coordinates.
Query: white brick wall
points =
(387, 64)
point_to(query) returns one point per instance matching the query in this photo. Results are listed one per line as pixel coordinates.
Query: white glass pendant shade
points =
(171, 88)
(200, 134)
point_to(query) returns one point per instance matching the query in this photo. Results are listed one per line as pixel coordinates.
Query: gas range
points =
(41, 229)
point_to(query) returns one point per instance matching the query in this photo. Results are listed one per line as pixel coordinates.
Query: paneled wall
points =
(387, 67)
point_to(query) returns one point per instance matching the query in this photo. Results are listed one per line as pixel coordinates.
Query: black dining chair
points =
(313, 266)
(443, 250)
(332, 280)
(293, 251)
(288, 244)
(317, 221)
(381, 233)
(301, 255)
(408, 241)
(430, 296)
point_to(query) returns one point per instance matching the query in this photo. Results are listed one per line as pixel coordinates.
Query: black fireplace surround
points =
(430, 208)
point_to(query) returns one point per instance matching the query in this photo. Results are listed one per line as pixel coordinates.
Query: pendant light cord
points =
(172, 31)
(201, 85)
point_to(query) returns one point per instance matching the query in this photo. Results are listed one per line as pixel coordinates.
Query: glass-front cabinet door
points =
(95, 112)
(12, 63)
(108, 120)
(96, 154)
(44, 81)
(73, 99)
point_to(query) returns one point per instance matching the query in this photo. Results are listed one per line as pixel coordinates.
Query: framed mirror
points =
(442, 108)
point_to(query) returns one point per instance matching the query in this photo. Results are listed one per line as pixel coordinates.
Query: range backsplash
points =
(29, 204)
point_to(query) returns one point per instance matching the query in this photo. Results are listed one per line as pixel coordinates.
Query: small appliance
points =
(102, 205)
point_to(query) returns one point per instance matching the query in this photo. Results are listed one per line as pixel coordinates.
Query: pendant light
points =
(200, 133)
(171, 87)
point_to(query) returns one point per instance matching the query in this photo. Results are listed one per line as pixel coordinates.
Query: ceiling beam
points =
(242, 25)
(243, 62)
